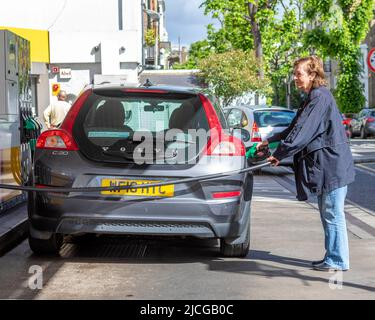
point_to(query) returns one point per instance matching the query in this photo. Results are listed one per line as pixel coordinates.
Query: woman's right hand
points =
(262, 145)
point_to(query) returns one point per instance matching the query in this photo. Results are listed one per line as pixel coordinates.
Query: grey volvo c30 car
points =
(118, 136)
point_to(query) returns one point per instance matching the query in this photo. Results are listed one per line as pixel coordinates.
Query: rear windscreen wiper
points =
(176, 140)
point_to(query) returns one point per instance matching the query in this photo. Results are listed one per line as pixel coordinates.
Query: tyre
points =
(233, 249)
(46, 246)
(363, 133)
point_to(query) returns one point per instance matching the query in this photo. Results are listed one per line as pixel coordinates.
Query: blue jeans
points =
(331, 207)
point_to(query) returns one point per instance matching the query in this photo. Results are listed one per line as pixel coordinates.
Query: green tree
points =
(198, 51)
(234, 31)
(231, 74)
(338, 28)
(150, 37)
(282, 45)
(272, 28)
(281, 30)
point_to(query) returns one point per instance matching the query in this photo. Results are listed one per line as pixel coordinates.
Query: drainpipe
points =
(143, 33)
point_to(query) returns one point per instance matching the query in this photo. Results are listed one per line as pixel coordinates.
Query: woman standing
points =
(323, 162)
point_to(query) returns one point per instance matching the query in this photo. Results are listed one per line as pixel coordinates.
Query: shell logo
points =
(55, 89)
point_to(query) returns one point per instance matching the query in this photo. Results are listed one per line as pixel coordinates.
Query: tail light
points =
(255, 134)
(219, 144)
(346, 122)
(56, 140)
(70, 118)
(228, 194)
(224, 145)
(62, 139)
(370, 119)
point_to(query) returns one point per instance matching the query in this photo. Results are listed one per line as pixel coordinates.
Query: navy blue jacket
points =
(316, 137)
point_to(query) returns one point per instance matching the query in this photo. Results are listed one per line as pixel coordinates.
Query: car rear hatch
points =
(128, 137)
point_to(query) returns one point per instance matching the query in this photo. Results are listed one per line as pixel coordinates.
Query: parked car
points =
(97, 145)
(260, 121)
(346, 119)
(363, 124)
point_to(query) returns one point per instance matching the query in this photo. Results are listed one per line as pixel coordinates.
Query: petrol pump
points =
(18, 127)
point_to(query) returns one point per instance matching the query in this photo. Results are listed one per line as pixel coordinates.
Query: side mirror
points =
(242, 134)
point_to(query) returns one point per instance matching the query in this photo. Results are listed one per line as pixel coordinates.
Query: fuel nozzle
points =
(253, 155)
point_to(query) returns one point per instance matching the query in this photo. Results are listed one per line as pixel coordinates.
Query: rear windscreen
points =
(273, 118)
(119, 118)
(111, 126)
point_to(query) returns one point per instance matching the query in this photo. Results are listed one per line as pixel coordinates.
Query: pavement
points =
(13, 227)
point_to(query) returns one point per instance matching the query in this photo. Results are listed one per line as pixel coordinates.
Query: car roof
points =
(171, 89)
(260, 108)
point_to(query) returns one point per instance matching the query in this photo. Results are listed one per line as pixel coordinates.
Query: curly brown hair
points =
(313, 65)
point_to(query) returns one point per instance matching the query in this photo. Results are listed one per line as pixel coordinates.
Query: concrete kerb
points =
(14, 228)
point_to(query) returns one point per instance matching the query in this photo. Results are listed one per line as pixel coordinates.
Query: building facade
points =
(155, 36)
(75, 43)
(95, 41)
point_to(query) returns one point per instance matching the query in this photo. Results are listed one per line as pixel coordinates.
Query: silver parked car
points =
(363, 124)
(260, 121)
(106, 133)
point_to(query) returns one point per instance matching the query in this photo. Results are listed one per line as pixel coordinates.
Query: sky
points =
(184, 18)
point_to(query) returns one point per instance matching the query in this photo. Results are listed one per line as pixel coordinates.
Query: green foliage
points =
(150, 37)
(339, 28)
(294, 28)
(282, 45)
(281, 35)
(198, 50)
(235, 30)
(231, 74)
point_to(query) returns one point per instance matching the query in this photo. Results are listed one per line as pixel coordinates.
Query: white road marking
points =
(366, 170)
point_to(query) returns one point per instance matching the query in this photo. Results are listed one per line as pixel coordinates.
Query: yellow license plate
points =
(159, 191)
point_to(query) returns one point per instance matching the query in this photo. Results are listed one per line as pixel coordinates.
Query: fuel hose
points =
(117, 188)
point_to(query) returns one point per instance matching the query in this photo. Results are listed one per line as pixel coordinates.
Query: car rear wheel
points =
(46, 246)
(233, 249)
(363, 133)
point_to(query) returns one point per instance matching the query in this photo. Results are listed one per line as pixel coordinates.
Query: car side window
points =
(363, 113)
(235, 118)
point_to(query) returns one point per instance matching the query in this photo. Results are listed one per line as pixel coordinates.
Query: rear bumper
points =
(191, 211)
(202, 219)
